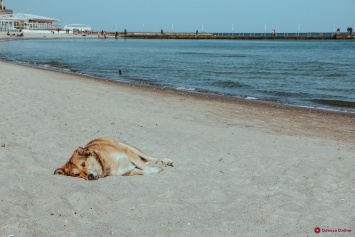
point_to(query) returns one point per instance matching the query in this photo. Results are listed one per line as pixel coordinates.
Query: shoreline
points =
(45, 36)
(267, 107)
(240, 167)
(207, 96)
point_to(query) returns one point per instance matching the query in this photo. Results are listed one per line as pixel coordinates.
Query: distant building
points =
(20, 21)
(3, 9)
(78, 27)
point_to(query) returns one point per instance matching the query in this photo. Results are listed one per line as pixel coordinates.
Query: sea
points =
(306, 73)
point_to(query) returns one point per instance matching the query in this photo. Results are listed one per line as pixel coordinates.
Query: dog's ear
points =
(60, 171)
(80, 150)
(101, 160)
(87, 154)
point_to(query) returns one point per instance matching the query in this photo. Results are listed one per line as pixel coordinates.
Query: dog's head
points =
(82, 164)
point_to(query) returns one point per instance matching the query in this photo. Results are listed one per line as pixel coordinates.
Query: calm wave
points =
(305, 73)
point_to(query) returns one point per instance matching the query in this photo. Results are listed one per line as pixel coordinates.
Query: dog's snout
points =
(91, 177)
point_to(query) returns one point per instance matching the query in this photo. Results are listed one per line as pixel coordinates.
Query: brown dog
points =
(104, 157)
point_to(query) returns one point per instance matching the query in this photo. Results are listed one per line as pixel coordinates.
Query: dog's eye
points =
(77, 175)
(83, 164)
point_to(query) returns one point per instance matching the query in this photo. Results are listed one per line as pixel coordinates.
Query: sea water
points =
(310, 73)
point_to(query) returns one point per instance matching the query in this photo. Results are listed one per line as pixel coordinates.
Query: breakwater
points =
(236, 36)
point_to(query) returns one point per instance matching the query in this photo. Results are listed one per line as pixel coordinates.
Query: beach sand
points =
(241, 168)
(47, 35)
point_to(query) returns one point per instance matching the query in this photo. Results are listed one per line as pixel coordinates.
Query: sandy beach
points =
(47, 35)
(241, 168)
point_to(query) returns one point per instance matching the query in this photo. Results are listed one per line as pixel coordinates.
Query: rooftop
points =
(23, 16)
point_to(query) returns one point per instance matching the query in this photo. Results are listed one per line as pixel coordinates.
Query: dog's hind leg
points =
(150, 160)
(141, 166)
(156, 162)
(149, 170)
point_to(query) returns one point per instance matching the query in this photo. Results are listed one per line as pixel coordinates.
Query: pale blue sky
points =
(192, 15)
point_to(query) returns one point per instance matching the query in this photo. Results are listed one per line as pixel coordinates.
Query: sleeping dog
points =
(106, 157)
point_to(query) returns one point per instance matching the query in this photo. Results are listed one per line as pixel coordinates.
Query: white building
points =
(78, 27)
(20, 21)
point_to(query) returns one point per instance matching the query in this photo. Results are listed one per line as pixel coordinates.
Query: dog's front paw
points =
(167, 162)
(163, 163)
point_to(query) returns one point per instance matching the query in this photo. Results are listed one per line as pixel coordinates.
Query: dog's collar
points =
(98, 159)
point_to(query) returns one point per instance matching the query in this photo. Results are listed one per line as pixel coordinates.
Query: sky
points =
(236, 16)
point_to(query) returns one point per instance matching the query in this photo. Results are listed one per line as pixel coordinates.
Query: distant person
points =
(273, 33)
(196, 32)
(338, 30)
(116, 35)
(120, 72)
